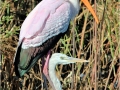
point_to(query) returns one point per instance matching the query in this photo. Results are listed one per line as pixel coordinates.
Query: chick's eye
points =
(62, 58)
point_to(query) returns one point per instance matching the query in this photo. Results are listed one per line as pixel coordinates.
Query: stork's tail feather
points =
(17, 60)
(20, 72)
(25, 59)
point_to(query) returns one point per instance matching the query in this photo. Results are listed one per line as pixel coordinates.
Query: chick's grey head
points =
(59, 58)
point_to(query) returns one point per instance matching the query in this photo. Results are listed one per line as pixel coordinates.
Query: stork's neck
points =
(53, 77)
(76, 5)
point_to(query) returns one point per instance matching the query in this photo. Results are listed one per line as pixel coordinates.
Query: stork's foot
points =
(45, 82)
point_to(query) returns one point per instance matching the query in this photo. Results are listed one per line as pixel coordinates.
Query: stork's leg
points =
(45, 69)
(44, 84)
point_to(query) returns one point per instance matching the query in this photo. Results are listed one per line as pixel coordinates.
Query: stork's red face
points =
(90, 8)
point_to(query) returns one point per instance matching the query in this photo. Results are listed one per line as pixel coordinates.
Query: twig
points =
(110, 73)
(36, 76)
(72, 84)
(95, 50)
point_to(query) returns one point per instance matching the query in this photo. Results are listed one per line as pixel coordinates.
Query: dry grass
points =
(107, 48)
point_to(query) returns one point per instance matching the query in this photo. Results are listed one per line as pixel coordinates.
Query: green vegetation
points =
(80, 41)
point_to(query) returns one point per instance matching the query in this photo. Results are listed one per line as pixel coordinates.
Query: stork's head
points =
(59, 58)
(87, 4)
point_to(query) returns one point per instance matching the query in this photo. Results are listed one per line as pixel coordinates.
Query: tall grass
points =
(13, 13)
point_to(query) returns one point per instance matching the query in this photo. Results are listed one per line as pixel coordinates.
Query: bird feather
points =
(46, 23)
(42, 24)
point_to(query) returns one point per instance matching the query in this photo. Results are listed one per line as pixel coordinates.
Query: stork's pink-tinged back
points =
(47, 19)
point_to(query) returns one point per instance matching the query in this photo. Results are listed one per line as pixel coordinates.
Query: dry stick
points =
(41, 74)
(118, 76)
(32, 84)
(3, 8)
(81, 14)
(91, 56)
(74, 52)
(72, 85)
(36, 76)
(102, 39)
(29, 86)
(24, 82)
(111, 65)
(33, 5)
(110, 72)
(95, 50)
(83, 34)
(119, 44)
(60, 71)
